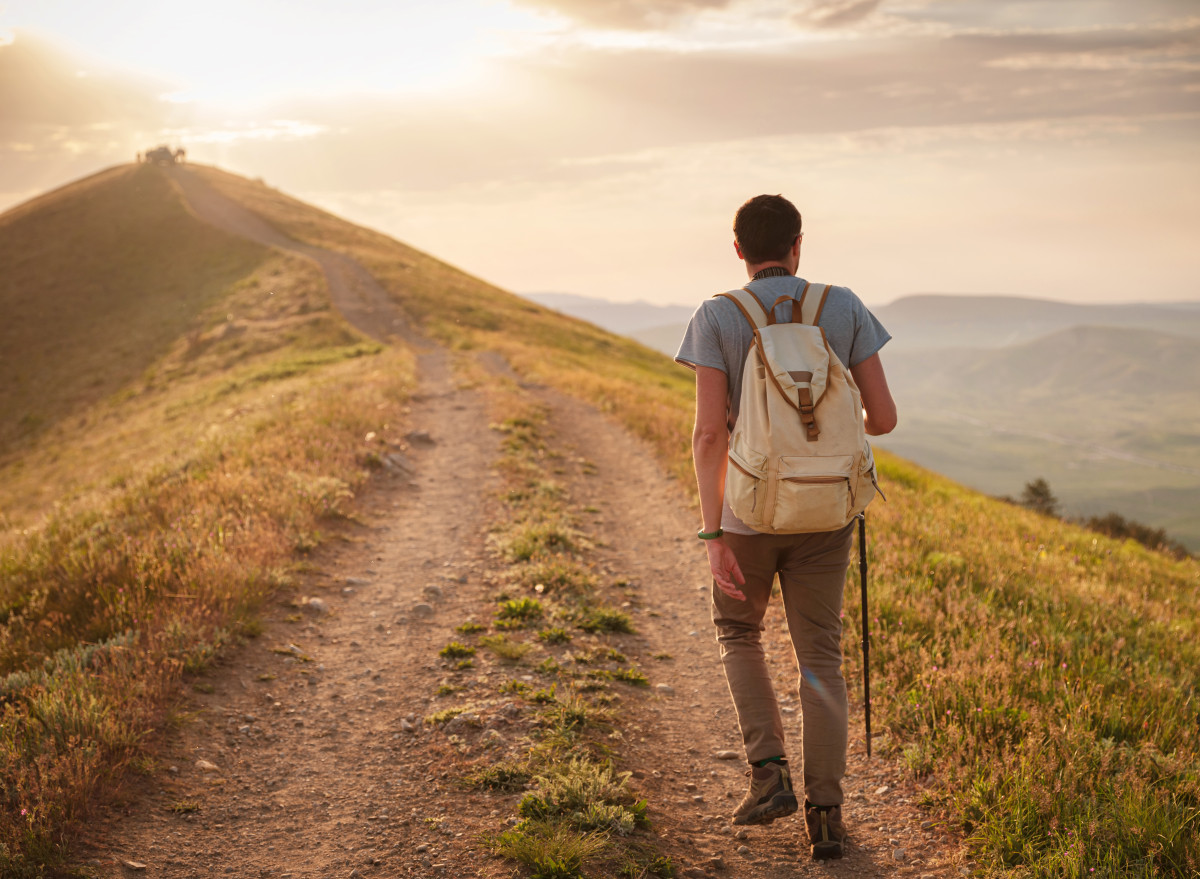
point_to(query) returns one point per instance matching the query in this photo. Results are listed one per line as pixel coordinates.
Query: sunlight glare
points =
(237, 53)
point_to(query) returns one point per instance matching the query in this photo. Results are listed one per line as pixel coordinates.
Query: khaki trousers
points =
(812, 575)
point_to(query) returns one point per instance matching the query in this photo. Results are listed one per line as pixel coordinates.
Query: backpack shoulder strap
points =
(812, 303)
(752, 310)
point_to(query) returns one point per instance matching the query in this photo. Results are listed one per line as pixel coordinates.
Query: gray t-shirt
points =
(718, 336)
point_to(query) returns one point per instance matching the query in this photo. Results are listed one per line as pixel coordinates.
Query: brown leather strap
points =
(771, 311)
(821, 306)
(806, 413)
(757, 301)
(742, 309)
(811, 306)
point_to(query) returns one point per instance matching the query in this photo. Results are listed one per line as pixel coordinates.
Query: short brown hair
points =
(766, 227)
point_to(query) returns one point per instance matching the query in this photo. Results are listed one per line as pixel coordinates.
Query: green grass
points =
(522, 611)
(505, 648)
(456, 650)
(603, 619)
(1045, 674)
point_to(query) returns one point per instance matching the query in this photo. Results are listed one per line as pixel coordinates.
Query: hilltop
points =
(416, 562)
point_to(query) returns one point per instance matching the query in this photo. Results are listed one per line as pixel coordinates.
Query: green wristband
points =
(710, 535)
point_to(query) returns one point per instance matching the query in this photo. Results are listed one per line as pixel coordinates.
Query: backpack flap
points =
(797, 363)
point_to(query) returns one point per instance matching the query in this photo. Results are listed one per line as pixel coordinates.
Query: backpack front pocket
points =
(812, 494)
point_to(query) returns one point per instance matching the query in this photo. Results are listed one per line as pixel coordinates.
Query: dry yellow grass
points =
(221, 422)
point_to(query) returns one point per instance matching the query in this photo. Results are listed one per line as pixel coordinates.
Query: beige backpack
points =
(799, 460)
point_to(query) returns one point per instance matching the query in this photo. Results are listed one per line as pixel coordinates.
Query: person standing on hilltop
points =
(811, 566)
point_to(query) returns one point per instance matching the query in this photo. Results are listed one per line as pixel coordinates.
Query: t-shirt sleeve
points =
(701, 345)
(869, 334)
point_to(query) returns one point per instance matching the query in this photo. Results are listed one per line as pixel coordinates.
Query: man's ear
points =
(737, 248)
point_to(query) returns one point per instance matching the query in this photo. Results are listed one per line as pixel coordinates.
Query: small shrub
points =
(524, 610)
(603, 619)
(456, 650)
(631, 676)
(546, 696)
(505, 777)
(502, 647)
(470, 628)
(446, 714)
(588, 796)
(550, 851)
(555, 635)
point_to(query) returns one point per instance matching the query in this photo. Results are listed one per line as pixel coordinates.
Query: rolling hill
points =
(1039, 679)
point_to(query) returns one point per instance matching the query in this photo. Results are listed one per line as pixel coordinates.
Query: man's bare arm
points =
(879, 409)
(710, 453)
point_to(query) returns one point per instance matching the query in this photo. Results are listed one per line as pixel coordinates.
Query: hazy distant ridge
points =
(625, 318)
(940, 321)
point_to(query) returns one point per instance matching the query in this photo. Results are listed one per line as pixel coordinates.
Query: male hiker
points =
(744, 562)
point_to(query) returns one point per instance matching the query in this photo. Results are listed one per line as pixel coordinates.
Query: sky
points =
(1043, 148)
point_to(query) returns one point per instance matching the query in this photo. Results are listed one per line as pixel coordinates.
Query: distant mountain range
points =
(626, 318)
(933, 321)
(1103, 401)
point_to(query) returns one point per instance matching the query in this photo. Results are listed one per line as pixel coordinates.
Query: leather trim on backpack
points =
(742, 308)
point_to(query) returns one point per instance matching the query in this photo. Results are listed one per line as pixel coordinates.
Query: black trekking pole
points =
(866, 635)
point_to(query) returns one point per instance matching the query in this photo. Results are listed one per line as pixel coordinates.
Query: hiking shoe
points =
(825, 831)
(770, 795)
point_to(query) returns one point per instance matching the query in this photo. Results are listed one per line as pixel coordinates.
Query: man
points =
(744, 563)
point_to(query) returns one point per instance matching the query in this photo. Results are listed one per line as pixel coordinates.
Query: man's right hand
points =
(725, 570)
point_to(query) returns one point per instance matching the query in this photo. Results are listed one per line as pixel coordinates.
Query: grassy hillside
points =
(1041, 678)
(203, 418)
(99, 280)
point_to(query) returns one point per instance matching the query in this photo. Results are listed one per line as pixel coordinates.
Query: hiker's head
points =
(765, 229)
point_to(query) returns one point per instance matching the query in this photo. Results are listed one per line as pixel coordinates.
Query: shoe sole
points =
(781, 806)
(827, 851)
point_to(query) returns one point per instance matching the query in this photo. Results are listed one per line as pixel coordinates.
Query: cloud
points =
(835, 13)
(61, 117)
(560, 118)
(626, 14)
(42, 86)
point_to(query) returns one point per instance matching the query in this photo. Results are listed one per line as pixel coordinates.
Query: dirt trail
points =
(298, 763)
(357, 295)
